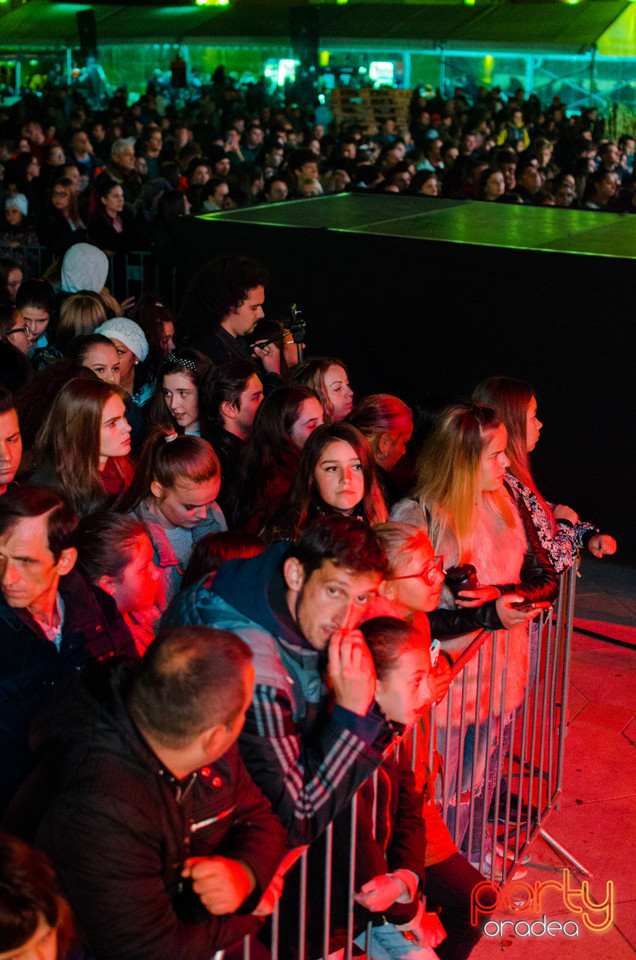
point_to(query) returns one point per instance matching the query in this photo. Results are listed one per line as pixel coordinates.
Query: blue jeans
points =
(461, 789)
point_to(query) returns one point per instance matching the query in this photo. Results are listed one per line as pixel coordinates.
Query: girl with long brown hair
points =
(336, 475)
(559, 528)
(83, 446)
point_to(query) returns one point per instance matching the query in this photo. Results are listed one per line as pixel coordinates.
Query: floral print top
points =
(564, 542)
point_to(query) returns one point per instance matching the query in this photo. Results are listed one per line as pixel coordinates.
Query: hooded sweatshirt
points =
(84, 267)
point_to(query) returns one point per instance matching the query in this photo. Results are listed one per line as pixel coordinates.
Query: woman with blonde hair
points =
(329, 380)
(472, 518)
(83, 446)
(80, 314)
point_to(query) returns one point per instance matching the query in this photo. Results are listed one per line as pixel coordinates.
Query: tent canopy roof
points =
(519, 26)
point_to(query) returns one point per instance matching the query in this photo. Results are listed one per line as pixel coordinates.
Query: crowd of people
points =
(220, 572)
(118, 176)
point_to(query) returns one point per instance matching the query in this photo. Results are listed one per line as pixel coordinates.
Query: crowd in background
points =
(118, 175)
(203, 539)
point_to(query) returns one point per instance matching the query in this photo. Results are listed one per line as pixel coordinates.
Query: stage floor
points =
(548, 229)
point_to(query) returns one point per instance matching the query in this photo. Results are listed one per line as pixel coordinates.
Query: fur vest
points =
(497, 552)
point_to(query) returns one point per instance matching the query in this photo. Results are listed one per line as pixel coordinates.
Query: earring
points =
(136, 363)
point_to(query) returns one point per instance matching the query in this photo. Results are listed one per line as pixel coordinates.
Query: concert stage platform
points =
(454, 221)
(425, 297)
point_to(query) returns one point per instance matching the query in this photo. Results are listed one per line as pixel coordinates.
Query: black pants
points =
(448, 886)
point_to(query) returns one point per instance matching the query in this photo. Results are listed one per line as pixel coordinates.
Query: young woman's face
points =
(14, 282)
(42, 945)
(394, 446)
(166, 341)
(126, 358)
(60, 198)
(103, 360)
(14, 216)
(339, 477)
(249, 402)
(495, 186)
(309, 417)
(418, 582)
(430, 187)
(19, 335)
(185, 504)
(114, 435)
(533, 425)
(404, 693)
(338, 392)
(37, 321)
(114, 201)
(181, 397)
(136, 588)
(494, 461)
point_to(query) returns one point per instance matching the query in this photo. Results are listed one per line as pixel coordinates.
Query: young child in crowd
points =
(173, 492)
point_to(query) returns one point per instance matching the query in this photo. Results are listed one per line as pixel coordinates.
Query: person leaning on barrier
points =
(163, 845)
(297, 607)
(558, 527)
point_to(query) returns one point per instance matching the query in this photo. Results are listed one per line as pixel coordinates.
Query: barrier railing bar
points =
(565, 676)
(352, 878)
(500, 744)
(473, 772)
(451, 692)
(326, 922)
(460, 760)
(302, 907)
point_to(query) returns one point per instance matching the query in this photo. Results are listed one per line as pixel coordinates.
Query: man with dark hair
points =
(528, 180)
(600, 190)
(507, 162)
(230, 395)
(162, 843)
(10, 440)
(222, 305)
(81, 152)
(52, 621)
(214, 193)
(297, 607)
(252, 148)
(303, 165)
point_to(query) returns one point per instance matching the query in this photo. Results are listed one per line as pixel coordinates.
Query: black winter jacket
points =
(31, 666)
(120, 827)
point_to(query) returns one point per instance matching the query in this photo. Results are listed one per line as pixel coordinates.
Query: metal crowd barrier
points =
(129, 275)
(522, 754)
(135, 273)
(516, 751)
(33, 259)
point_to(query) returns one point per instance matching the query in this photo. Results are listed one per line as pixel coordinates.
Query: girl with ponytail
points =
(174, 493)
